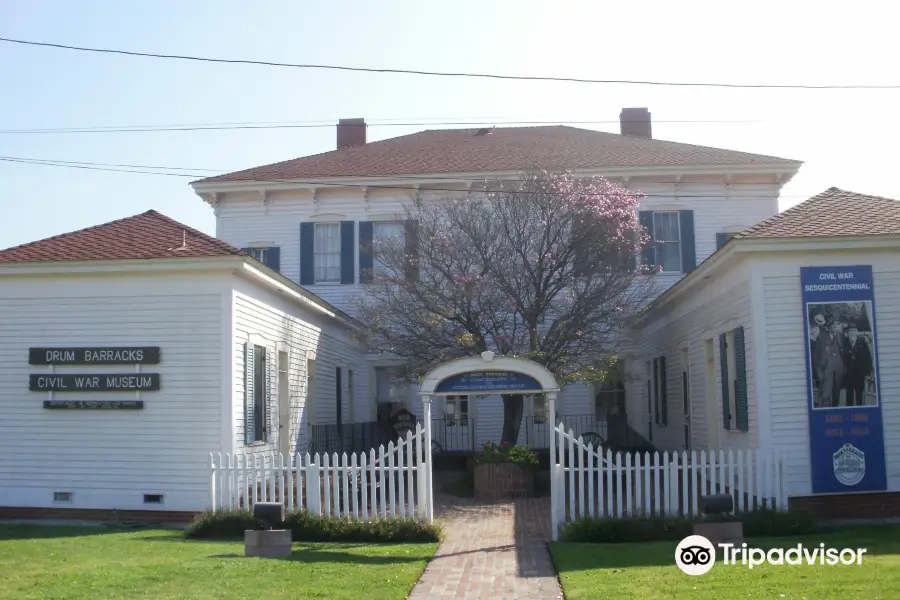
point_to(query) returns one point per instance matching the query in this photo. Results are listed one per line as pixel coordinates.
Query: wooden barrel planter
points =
(503, 481)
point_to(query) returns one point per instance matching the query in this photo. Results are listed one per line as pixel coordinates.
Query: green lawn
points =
(98, 564)
(648, 571)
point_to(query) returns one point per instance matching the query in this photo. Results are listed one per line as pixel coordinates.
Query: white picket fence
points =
(589, 482)
(389, 483)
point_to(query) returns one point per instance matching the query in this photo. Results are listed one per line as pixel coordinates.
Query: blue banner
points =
(497, 382)
(846, 437)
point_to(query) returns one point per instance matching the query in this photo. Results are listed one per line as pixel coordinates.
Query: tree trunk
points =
(513, 407)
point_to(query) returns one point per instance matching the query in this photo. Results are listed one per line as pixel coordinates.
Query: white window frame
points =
(456, 416)
(259, 253)
(321, 256)
(657, 243)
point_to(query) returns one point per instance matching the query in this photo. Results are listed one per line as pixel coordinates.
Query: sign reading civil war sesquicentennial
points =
(846, 439)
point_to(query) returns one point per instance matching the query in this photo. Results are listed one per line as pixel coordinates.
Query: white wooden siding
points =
(263, 313)
(717, 308)
(111, 458)
(786, 354)
(243, 219)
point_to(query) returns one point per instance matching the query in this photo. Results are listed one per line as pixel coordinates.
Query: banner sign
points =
(498, 382)
(144, 355)
(846, 438)
(119, 382)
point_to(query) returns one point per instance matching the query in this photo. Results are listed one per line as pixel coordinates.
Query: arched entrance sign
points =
(484, 375)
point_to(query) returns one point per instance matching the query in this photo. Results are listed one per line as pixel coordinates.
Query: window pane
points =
(327, 252)
(389, 234)
(665, 227)
(669, 256)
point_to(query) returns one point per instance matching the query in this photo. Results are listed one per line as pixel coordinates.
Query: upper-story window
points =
(267, 255)
(259, 254)
(667, 239)
(672, 247)
(327, 250)
(385, 234)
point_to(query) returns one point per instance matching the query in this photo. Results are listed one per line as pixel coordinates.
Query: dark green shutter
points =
(648, 256)
(688, 242)
(366, 251)
(273, 258)
(656, 391)
(740, 365)
(267, 423)
(348, 247)
(721, 238)
(307, 253)
(249, 420)
(664, 385)
(411, 239)
(649, 410)
(723, 369)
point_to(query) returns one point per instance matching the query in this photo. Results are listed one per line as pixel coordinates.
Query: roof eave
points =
(234, 264)
(786, 170)
(737, 247)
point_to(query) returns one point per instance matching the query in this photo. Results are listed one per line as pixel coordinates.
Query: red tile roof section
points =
(504, 149)
(834, 212)
(149, 235)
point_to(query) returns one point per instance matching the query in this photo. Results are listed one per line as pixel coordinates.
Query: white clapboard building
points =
(133, 349)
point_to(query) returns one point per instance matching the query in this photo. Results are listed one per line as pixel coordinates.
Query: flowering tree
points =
(543, 268)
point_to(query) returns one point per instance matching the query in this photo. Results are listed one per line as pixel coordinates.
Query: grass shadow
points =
(54, 531)
(313, 555)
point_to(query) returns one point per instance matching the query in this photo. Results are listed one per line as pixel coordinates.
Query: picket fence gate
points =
(389, 483)
(589, 482)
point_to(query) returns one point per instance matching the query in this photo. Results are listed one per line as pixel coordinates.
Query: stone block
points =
(731, 532)
(274, 543)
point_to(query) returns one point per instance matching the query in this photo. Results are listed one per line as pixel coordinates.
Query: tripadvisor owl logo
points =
(696, 555)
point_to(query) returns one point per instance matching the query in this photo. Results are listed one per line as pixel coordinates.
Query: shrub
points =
(759, 523)
(507, 453)
(305, 527)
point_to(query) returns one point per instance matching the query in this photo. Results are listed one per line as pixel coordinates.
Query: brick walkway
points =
(495, 551)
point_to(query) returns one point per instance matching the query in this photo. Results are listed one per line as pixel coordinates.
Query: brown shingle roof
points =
(505, 149)
(145, 236)
(834, 212)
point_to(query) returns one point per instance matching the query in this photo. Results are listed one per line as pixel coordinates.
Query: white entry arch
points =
(490, 374)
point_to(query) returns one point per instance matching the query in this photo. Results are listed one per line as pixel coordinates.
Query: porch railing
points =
(538, 432)
(448, 435)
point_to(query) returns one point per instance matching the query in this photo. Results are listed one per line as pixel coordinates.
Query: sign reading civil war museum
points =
(117, 382)
(488, 381)
(142, 355)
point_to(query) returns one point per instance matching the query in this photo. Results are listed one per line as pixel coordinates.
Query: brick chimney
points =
(351, 132)
(636, 122)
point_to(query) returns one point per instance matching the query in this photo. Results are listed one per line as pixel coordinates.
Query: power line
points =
(140, 170)
(228, 126)
(444, 74)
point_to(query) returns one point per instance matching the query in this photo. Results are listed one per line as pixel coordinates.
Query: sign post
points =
(846, 437)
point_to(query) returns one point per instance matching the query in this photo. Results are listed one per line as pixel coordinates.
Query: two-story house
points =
(313, 220)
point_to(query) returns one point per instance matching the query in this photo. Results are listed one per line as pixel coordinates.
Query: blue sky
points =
(844, 137)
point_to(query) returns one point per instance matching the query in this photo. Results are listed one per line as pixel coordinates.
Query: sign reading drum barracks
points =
(61, 382)
(94, 356)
